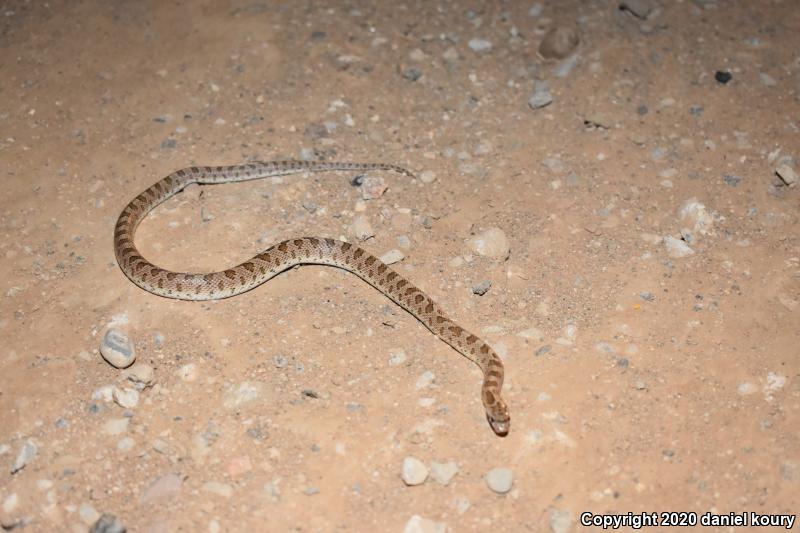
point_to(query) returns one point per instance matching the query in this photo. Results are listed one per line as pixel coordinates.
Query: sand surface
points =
(638, 380)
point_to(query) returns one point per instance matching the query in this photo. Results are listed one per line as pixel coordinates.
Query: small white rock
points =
(243, 393)
(746, 389)
(560, 520)
(188, 372)
(500, 480)
(443, 473)
(116, 426)
(479, 45)
(127, 398)
(414, 471)
(25, 455)
(220, 489)
(417, 524)
(426, 379)
(104, 393)
(392, 256)
(397, 357)
(676, 247)
(361, 229)
(117, 349)
(427, 176)
(491, 243)
(125, 444)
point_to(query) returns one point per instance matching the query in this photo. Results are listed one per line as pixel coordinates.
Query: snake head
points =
(500, 421)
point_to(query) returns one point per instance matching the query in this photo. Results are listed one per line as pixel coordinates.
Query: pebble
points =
(126, 398)
(372, 187)
(638, 8)
(565, 67)
(396, 357)
(746, 389)
(723, 77)
(482, 287)
(412, 73)
(491, 243)
(126, 444)
(536, 10)
(731, 180)
(25, 456)
(392, 256)
(695, 212)
(414, 471)
(220, 489)
(188, 372)
(116, 426)
(500, 480)
(243, 393)
(88, 514)
(647, 296)
(560, 520)
(531, 333)
(418, 524)
(162, 488)
(443, 473)
(427, 176)
(141, 375)
(107, 523)
(541, 95)
(479, 45)
(542, 350)
(361, 229)
(677, 248)
(104, 393)
(117, 349)
(426, 379)
(787, 174)
(10, 503)
(767, 80)
(559, 42)
(403, 241)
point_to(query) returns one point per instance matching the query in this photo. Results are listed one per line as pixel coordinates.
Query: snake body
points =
(286, 254)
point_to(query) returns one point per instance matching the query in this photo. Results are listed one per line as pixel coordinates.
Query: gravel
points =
(500, 480)
(443, 473)
(482, 287)
(414, 471)
(25, 456)
(117, 349)
(491, 243)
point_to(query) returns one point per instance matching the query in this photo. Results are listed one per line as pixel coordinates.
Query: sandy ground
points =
(638, 381)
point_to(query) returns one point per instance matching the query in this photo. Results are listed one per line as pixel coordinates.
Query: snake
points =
(299, 251)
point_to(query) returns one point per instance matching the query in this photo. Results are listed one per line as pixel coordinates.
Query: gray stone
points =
(443, 473)
(117, 349)
(500, 480)
(414, 471)
(677, 248)
(541, 96)
(559, 42)
(787, 174)
(25, 455)
(140, 374)
(244, 393)
(638, 8)
(482, 287)
(165, 487)
(560, 520)
(479, 45)
(107, 523)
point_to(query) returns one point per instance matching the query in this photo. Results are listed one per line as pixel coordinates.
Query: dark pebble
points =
(723, 77)
(542, 350)
(412, 74)
(107, 523)
(731, 180)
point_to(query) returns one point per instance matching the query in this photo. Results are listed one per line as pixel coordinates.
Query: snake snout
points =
(499, 426)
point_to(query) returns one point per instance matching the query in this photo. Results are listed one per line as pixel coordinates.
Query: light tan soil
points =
(678, 389)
